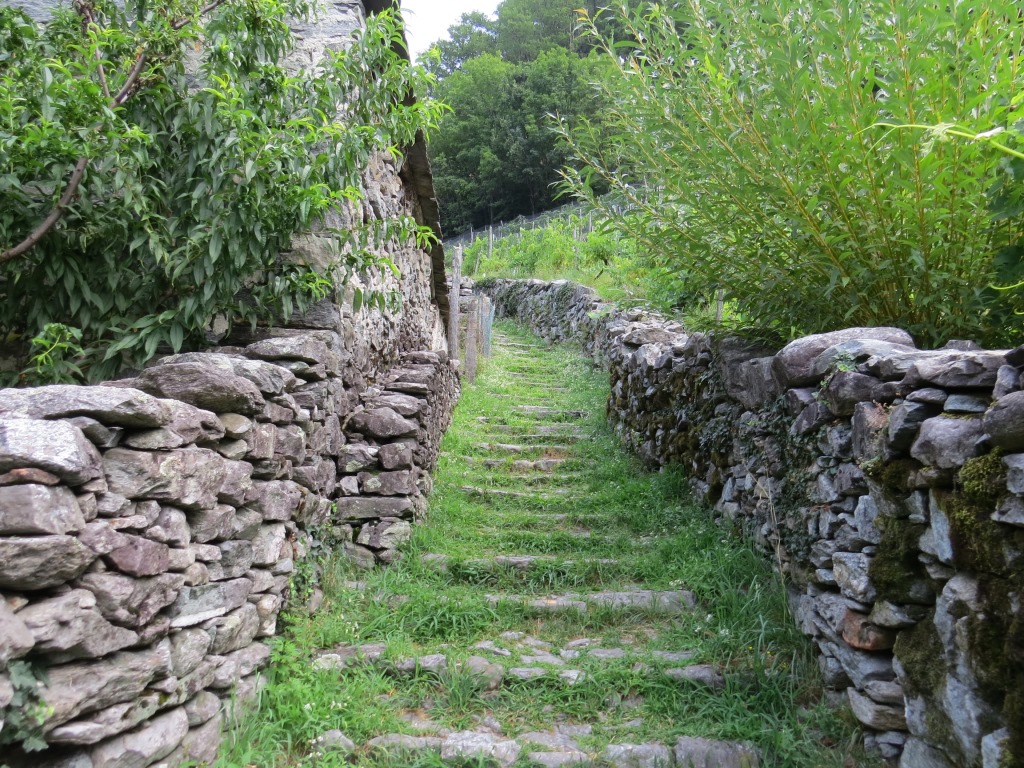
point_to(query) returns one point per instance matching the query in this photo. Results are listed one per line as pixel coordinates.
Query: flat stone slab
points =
(558, 759)
(639, 756)
(473, 745)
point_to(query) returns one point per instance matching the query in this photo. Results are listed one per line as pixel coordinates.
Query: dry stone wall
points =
(888, 481)
(150, 529)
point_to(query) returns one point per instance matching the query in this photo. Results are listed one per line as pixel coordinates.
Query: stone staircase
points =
(532, 481)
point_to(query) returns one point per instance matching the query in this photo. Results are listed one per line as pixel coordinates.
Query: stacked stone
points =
(393, 441)
(149, 528)
(885, 479)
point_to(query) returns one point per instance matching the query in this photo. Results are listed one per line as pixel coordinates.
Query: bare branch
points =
(48, 223)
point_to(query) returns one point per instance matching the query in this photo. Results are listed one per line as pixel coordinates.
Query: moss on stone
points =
(919, 650)
(983, 479)
(895, 565)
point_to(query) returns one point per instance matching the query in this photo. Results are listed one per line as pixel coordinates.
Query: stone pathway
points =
(541, 615)
(523, 455)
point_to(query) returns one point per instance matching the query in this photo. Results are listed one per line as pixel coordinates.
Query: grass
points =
(645, 522)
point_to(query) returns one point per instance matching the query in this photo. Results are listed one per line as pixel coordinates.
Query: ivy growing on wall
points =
(157, 159)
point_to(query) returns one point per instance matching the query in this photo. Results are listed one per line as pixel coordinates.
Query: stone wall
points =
(150, 528)
(887, 481)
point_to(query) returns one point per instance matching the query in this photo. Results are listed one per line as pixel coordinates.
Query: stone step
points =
(519, 465)
(668, 603)
(539, 427)
(547, 412)
(513, 448)
(521, 563)
(499, 493)
(539, 437)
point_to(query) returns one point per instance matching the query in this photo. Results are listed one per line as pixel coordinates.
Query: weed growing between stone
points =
(730, 667)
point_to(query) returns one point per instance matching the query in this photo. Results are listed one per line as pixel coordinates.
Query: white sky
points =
(428, 20)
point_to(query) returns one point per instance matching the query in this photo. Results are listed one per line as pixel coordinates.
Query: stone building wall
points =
(887, 481)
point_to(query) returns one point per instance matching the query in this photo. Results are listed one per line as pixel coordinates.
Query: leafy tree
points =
(146, 188)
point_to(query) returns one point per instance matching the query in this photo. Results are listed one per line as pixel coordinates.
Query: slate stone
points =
(39, 562)
(879, 717)
(111, 406)
(144, 746)
(404, 405)
(638, 756)
(905, 422)
(188, 648)
(83, 687)
(1010, 511)
(847, 388)
(202, 708)
(794, 364)
(131, 602)
(353, 458)
(269, 378)
(69, 626)
(382, 423)
(15, 638)
(693, 752)
(275, 500)
(851, 572)
(305, 347)
(39, 509)
(268, 544)
(106, 723)
(195, 605)
(138, 556)
(918, 754)
(367, 507)
(1004, 422)
(101, 436)
(960, 403)
(54, 446)
(479, 747)
(234, 631)
(395, 456)
(237, 482)
(870, 424)
(398, 483)
(947, 442)
(387, 534)
(203, 386)
(488, 674)
(188, 477)
(956, 370)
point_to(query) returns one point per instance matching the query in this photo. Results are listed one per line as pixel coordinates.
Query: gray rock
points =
(847, 388)
(188, 648)
(83, 687)
(860, 666)
(39, 562)
(1004, 422)
(702, 674)
(237, 482)
(70, 627)
(269, 378)
(527, 673)
(401, 483)
(269, 544)
(236, 559)
(405, 405)
(870, 424)
(959, 403)
(39, 509)
(140, 557)
(1010, 511)
(106, 723)
(116, 406)
(947, 442)
(206, 525)
(198, 604)
(131, 602)
(275, 499)
(200, 745)
(794, 366)
(203, 386)
(880, 717)
(334, 741)
(400, 743)
(559, 759)
(202, 708)
(886, 614)
(638, 756)
(353, 458)
(395, 456)
(188, 477)
(234, 631)
(144, 746)
(971, 717)
(54, 446)
(387, 534)
(1007, 381)
(362, 508)
(382, 423)
(956, 370)
(171, 527)
(929, 396)
(15, 638)
(305, 347)
(478, 747)
(886, 692)
(704, 753)
(917, 754)
(433, 663)
(905, 423)
(851, 572)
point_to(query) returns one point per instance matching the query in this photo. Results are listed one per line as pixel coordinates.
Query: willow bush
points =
(748, 141)
(157, 159)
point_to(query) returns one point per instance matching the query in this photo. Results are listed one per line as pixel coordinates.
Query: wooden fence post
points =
(473, 320)
(453, 305)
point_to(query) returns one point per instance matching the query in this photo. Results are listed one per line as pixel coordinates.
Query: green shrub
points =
(746, 140)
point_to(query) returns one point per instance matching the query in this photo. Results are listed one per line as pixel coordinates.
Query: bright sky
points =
(428, 20)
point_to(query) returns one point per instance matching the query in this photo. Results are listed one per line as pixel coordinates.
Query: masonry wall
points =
(887, 481)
